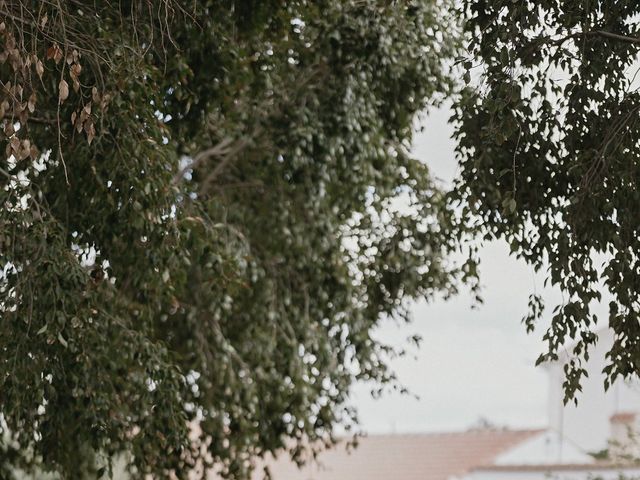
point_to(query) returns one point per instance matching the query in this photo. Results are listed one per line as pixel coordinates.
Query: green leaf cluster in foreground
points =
(206, 209)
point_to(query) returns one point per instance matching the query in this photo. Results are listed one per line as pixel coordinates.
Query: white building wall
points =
(587, 425)
(577, 474)
(543, 449)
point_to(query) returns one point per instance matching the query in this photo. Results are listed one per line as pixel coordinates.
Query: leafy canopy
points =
(206, 209)
(548, 143)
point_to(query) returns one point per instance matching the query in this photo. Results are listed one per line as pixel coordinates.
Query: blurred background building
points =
(593, 439)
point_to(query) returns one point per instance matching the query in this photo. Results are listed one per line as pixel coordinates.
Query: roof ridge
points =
(453, 433)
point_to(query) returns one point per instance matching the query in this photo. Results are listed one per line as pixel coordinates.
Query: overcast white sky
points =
(472, 364)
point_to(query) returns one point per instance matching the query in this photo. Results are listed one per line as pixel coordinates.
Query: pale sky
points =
(472, 364)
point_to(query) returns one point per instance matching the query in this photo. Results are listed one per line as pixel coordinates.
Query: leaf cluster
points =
(207, 208)
(548, 143)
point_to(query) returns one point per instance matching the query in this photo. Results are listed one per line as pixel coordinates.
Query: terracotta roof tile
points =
(623, 417)
(558, 467)
(406, 457)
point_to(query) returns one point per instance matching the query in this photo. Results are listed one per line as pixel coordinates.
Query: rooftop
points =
(406, 457)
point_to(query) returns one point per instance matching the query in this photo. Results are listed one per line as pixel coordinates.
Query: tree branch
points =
(218, 150)
(615, 36)
(593, 33)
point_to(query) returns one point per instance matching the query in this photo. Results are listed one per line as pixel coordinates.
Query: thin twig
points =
(64, 165)
(217, 150)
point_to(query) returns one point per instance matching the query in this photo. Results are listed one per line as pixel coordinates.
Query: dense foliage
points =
(548, 133)
(206, 209)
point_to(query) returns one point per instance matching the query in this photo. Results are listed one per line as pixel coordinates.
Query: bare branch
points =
(615, 36)
(219, 150)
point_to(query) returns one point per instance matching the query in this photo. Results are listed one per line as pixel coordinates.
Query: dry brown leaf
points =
(50, 52)
(39, 68)
(63, 90)
(74, 70)
(90, 130)
(54, 52)
(74, 73)
(25, 151)
(31, 104)
(15, 144)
